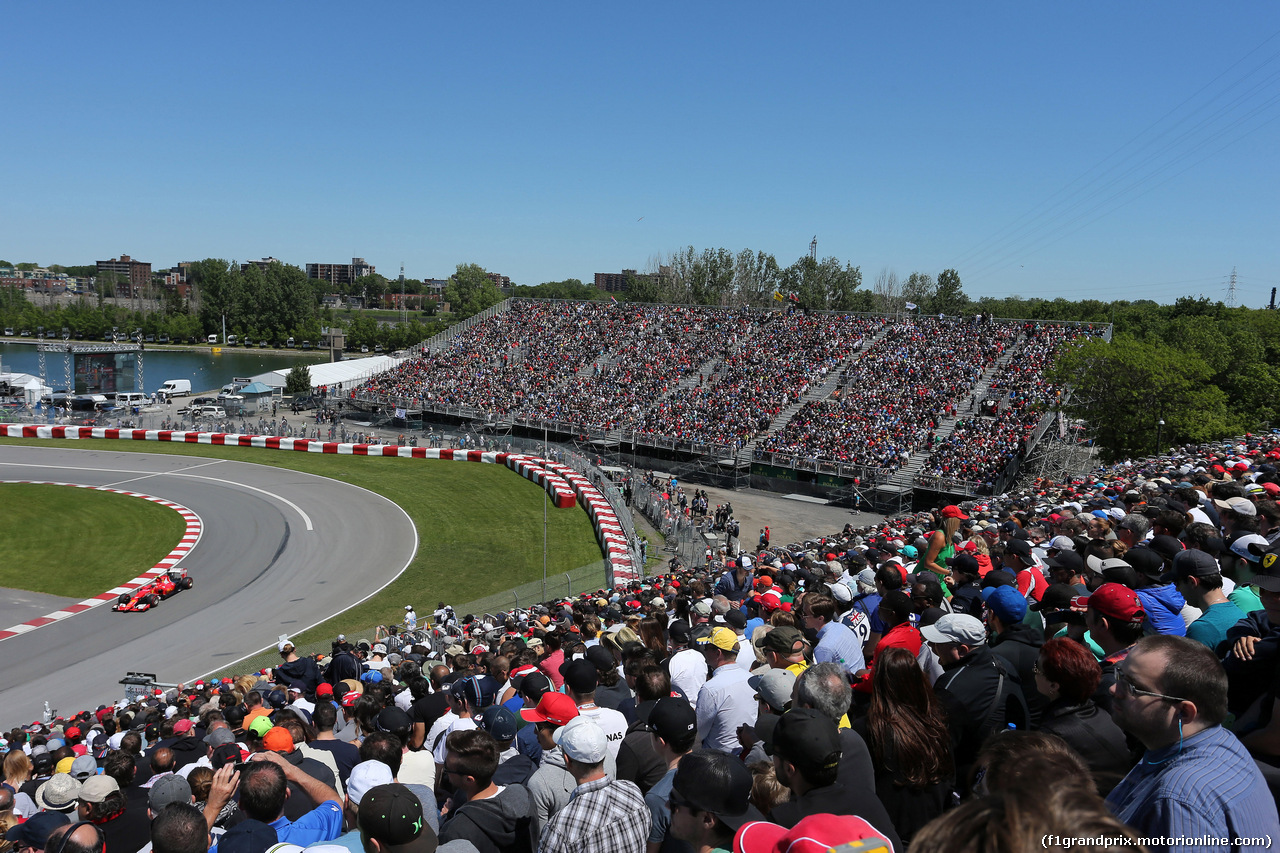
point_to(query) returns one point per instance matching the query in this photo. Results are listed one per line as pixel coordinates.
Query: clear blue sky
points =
(552, 141)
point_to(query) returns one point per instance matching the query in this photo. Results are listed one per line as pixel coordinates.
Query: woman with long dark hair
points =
(906, 731)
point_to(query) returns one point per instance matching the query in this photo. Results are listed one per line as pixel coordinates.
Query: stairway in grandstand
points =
(816, 392)
(907, 474)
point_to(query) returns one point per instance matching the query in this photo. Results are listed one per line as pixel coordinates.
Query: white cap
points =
(283, 642)
(366, 775)
(582, 740)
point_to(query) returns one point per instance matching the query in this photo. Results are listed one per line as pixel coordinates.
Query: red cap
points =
(349, 699)
(1115, 601)
(815, 834)
(72, 731)
(953, 511)
(552, 708)
(1272, 488)
(325, 689)
(182, 727)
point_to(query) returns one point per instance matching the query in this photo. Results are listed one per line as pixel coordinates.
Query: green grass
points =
(479, 526)
(45, 530)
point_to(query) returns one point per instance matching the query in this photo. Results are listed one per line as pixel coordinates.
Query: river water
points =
(205, 370)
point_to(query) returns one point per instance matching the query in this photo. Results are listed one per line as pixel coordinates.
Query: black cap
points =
(1191, 564)
(35, 831)
(672, 719)
(718, 783)
(808, 739)
(680, 632)
(1069, 560)
(1146, 562)
(1166, 546)
(392, 814)
(600, 658)
(1021, 547)
(534, 685)
(394, 721)
(580, 676)
(966, 563)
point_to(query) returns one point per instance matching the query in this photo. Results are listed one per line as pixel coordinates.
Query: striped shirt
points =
(1207, 788)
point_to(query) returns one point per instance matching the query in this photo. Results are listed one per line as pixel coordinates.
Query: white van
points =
(176, 387)
(125, 399)
(213, 339)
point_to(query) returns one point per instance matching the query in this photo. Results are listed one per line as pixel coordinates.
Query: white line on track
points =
(162, 473)
(306, 519)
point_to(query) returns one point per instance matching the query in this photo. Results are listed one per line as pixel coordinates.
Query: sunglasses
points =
(1125, 683)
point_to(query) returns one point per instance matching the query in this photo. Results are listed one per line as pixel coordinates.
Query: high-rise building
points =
(131, 276)
(340, 273)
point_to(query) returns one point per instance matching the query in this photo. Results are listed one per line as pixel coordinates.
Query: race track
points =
(281, 551)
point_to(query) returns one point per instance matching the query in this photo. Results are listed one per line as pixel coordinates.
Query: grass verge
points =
(479, 526)
(80, 542)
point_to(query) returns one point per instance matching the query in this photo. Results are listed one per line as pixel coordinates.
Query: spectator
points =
(687, 665)
(179, 828)
(1195, 779)
(638, 760)
(493, 818)
(710, 800)
(580, 682)
(346, 755)
(392, 820)
(513, 767)
(1015, 641)
(263, 789)
(1067, 675)
(726, 701)
(34, 832)
(1197, 576)
(1114, 619)
(673, 729)
(979, 692)
(906, 731)
(836, 642)
(603, 815)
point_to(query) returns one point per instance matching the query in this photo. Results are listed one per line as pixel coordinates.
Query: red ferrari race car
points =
(148, 595)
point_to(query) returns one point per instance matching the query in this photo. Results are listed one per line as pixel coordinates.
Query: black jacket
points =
(303, 673)
(1020, 646)
(1095, 736)
(968, 692)
(838, 800)
(500, 824)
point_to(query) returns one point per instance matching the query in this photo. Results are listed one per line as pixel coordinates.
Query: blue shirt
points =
(323, 823)
(838, 643)
(1208, 787)
(1211, 627)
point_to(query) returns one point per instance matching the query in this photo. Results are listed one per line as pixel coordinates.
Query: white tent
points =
(33, 389)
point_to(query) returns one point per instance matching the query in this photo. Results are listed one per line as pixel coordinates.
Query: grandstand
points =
(862, 408)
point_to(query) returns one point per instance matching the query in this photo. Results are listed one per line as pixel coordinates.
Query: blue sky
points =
(549, 141)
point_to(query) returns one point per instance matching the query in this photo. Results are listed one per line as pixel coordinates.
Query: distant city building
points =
(131, 276)
(501, 281)
(340, 273)
(38, 280)
(266, 262)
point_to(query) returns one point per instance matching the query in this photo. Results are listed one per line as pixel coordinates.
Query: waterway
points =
(205, 370)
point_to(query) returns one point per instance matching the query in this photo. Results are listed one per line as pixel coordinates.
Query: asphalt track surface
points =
(281, 551)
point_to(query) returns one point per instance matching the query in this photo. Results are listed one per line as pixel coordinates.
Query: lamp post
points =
(1159, 432)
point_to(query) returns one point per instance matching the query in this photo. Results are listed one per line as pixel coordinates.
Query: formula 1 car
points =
(149, 595)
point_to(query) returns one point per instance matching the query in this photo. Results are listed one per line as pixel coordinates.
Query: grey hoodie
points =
(552, 784)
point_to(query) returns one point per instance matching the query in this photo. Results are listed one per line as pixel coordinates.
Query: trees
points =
(470, 291)
(949, 297)
(298, 380)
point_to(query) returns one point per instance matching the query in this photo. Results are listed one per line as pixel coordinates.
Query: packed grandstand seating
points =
(874, 654)
(724, 376)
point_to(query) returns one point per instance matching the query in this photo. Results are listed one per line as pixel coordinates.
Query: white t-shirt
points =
(688, 673)
(460, 724)
(611, 722)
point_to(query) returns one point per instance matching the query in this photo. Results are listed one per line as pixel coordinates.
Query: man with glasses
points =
(710, 801)
(1195, 781)
(836, 642)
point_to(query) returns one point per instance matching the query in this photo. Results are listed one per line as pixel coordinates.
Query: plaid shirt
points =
(603, 816)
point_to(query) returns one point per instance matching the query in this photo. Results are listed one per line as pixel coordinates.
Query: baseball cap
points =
(552, 708)
(166, 790)
(218, 737)
(83, 767)
(392, 814)
(59, 794)
(499, 721)
(1056, 599)
(808, 739)
(1191, 563)
(34, 832)
(1006, 603)
(1250, 547)
(1114, 601)
(1242, 506)
(394, 720)
(672, 718)
(1146, 562)
(718, 783)
(474, 689)
(277, 739)
(1062, 543)
(953, 511)
(1021, 547)
(680, 631)
(1099, 566)
(1069, 560)
(784, 640)
(366, 776)
(721, 638)
(98, 788)
(227, 753)
(956, 628)
(534, 685)
(580, 676)
(816, 833)
(582, 740)
(774, 686)
(260, 726)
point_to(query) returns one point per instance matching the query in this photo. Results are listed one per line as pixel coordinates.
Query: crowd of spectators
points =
(1076, 665)
(895, 396)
